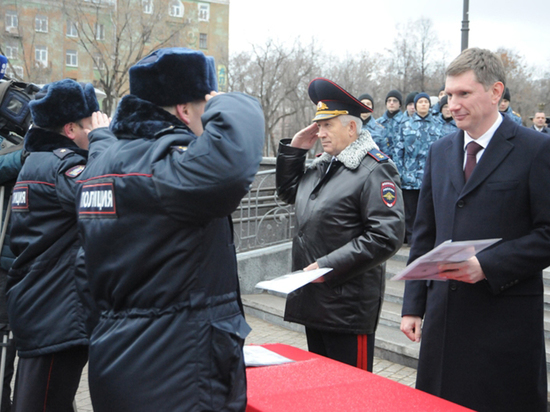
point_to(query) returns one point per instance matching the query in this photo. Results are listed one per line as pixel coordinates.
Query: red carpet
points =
(315, 383)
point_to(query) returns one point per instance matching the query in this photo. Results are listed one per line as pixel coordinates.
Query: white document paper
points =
(292, 281)
(259, 356)
(425, 267)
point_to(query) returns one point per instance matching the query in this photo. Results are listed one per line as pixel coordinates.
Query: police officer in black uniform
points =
(349, 217)
(154, 212)
(44, 308)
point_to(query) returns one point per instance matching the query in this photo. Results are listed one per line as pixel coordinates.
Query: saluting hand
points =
(211, 94)
(100, 119)
(306, 138)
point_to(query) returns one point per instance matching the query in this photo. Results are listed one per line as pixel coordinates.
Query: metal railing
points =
(262, 219)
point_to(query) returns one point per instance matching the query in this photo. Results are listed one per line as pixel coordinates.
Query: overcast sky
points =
(346, 26)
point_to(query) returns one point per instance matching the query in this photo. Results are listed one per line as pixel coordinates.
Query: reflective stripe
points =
(362, 352)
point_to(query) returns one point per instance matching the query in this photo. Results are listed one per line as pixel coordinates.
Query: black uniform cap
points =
(332, 100)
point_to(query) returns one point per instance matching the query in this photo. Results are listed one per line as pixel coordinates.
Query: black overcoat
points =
(344, 222)
(483, 344)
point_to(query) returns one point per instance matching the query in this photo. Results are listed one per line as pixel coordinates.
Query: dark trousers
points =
(349, 348)
(49, 383)
(10, 348)
(410, 199)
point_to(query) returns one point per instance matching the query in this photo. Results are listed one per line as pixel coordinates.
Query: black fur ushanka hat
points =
(174, 75)
(62, 102)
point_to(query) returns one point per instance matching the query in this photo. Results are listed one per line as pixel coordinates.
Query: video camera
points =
(15, 116)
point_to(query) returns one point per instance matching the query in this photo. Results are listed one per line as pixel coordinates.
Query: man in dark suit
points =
(539, 123)
(483, 336)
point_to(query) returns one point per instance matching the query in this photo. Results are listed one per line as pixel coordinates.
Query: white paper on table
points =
(259, 356)
(425, 267)
(292, 281)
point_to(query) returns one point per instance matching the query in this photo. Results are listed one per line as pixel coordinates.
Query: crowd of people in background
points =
(406, 131)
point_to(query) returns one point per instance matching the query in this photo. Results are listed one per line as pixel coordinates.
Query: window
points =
(204, 12)
(148, 6)
(72, 30)
(17, 72)
(99, 63)
(71, 58)
(203, 41)
(99, 31)
(12, 51)
(11, 20)
(176, 8)
(41, 55)
(41, 24)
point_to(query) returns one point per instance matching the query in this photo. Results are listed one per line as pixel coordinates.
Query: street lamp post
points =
(465, 25)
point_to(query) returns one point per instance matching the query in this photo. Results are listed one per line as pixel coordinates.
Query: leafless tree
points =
(519, 81)
(131, 32)
(417, 59)
(354, 72)
(278, 75)
(401, 60)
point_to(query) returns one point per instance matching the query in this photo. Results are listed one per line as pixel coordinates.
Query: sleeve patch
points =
(20, 199)
(388, 192)
(179, 149)
(97, 200)
(75, 171)
(378, 155)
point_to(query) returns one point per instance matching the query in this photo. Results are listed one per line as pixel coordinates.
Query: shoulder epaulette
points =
(167, 130)
(516, 113)
(62, 153)
(378, 155)
(171, 130)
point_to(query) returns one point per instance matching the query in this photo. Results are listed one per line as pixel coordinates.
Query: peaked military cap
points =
(332, 100)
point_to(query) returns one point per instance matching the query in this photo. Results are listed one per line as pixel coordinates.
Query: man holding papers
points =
(483, 337)
(349, 213)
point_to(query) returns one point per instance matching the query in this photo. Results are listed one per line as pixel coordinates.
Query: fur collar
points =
(42, 140)
(137, 118)
(352, 155)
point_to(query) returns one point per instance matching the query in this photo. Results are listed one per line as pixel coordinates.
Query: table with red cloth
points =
(316, 383)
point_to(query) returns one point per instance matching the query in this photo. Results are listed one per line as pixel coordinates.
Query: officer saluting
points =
(44, 308)
(349, 217)
(155, 217)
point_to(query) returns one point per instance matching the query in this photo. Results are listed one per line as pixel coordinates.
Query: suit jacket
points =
(544, 129)
(483, 344)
